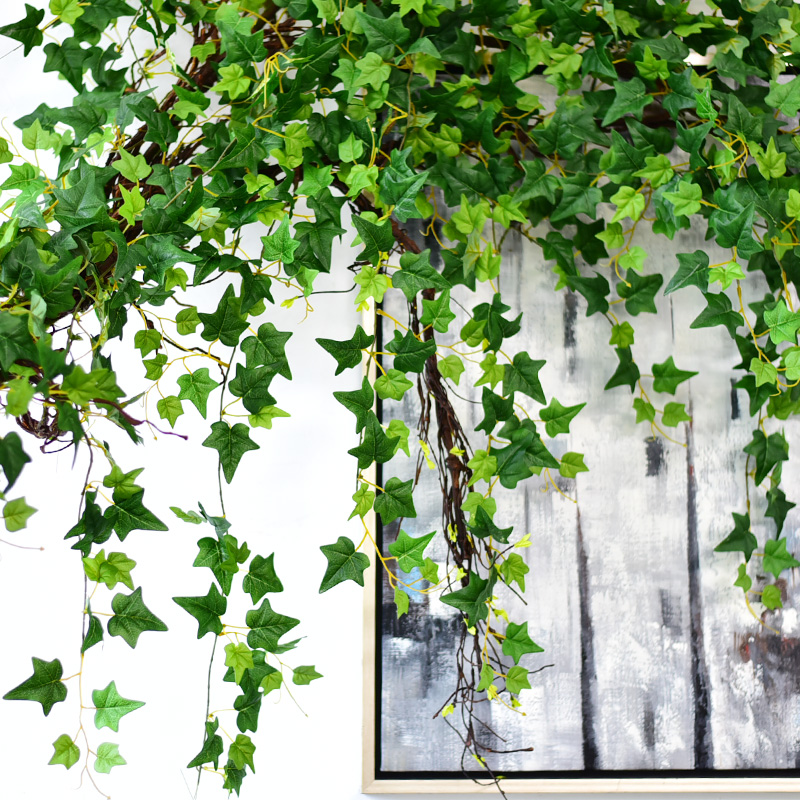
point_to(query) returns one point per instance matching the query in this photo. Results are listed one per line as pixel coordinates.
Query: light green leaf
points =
(66, 752)
(108, 757)
(16, 514)
(111, 707)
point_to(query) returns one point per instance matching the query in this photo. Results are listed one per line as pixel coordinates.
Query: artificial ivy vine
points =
(306, 124)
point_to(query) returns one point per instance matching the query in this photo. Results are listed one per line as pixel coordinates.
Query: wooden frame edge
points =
(586, 786)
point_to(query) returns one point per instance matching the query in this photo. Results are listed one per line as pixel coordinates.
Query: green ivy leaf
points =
(743, 581)
(410, 353)
(111, 707)
(207, 610)
(66, 752)
(348, 353)
(108, 757)
(134, 168)
(771, 597)
(44, 686)
(231, 443)
(196, 387)
(673, 414)
(718, 311)
(302, 676)
(132, 618)
(522, 375)
(212, 747)
(169, 408)
(110, 571)
(267, 627)
(517, 680)
(740, 539)
(344, 564)
(471, 600)
(393, 385)
(783, 324)
(408, 550)
(16, 514)
(572, 464)
(518, 642)
(667, 377)
(639, 293)
(513, 570)
(557, 417)
(776, 559)
(129, 514)
(261, 578)
(240, 658)
(395, 501)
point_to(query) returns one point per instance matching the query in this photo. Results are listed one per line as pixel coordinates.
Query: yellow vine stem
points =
(757, 618)
(555, 486)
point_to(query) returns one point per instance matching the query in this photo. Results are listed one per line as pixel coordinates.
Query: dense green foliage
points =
(319, 121)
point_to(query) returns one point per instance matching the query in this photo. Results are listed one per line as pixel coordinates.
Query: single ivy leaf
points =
(44, 686)
(771, 597)
(718, 311)
(132, 618)
(784, 96)
(12, 458)
(622, 335)
(572, 464)
(241, 752)
(645, 412)
(776, 559)
(517, 680)
(778, 506)
(375, 444)
(630, 97)
(134, 168)
(267, 627)
(363, 498)
(783, 324)
(376, 238)
(416, 274)
(66, 752)
(267, 348)
(674, 413)
(513, 570)
(169, 408)
(108, 757)
(437, 312)
(401, 601)
(518, 642)
(261, 578)
(214, 555)
(740, 539)
(280, 246)
(471, 600)
(483, 466)
(522, 375)
(304, 675)
(212, 747)
(348, 353)
(667, 377)
(408, 550)
(16, 514)
(94, 631)
(207, 610)
(392, 385)
(692, 271)
(344, 564)
(639, 292)
(482, 526)
(395, 501)
(111, 707)
(231, 443)
(767, 452)
(240, 658)
(196, 387)
(358, 402)
(123, 483)
(410, 354)
(191, 517)
(764, 371)
(227, 323)
(430, 571)
(129, 514)
(557, 417)
(743, 581)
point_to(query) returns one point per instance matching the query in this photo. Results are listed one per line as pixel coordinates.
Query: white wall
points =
(290, 497)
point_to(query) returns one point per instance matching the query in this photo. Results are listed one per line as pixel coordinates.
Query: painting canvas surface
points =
(652, 660)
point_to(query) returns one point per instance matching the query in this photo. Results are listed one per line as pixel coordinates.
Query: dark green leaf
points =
(132, 617)
(344, 564)
(44, 686)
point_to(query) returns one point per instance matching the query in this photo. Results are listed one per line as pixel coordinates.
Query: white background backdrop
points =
(290, 497)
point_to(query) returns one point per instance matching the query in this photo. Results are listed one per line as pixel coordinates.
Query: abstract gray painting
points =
(654, 662)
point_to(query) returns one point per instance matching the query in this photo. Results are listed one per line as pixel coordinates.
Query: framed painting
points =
(656, 672)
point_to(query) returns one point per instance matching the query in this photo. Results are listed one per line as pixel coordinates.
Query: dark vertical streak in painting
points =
(570, 317)
(734, 400)
(588, 668)
(703, 747)
(655, 456)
